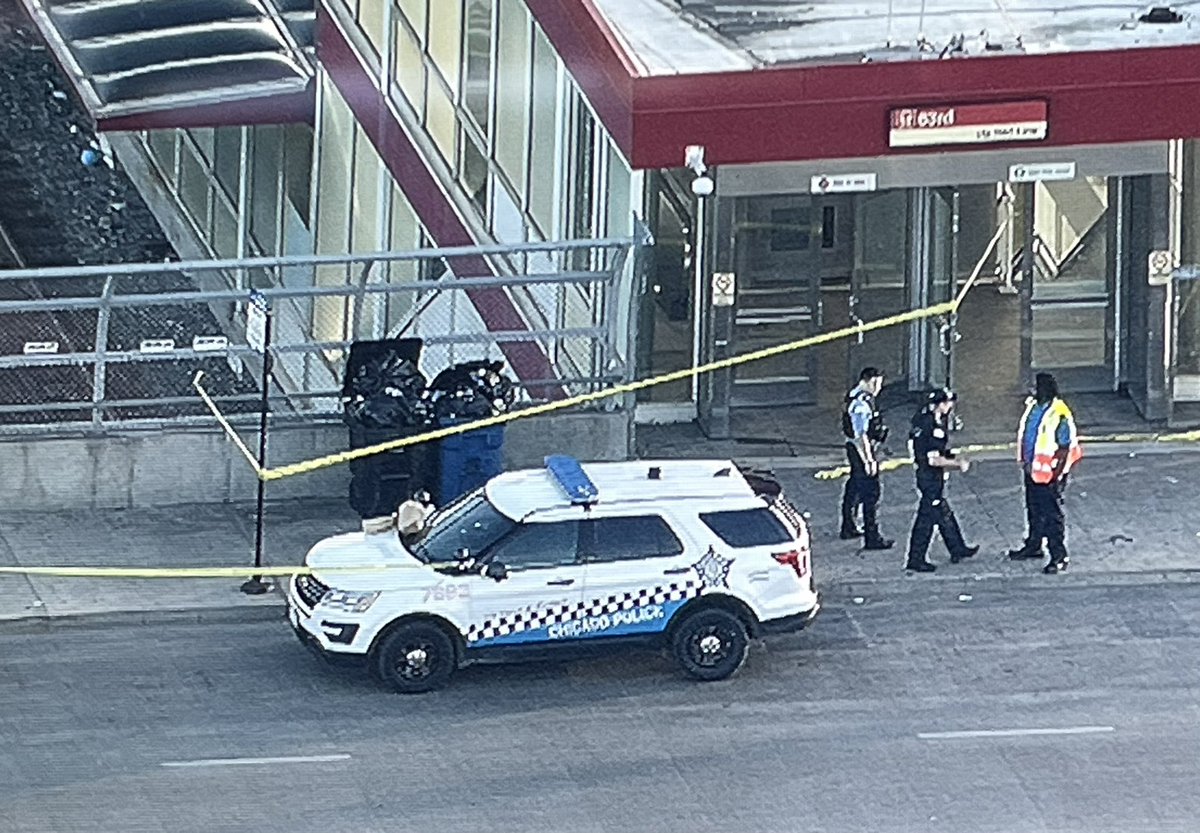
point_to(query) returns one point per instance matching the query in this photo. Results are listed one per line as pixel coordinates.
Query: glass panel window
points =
(371, 14)
(297, 163)
(440, 121)
(414, 11)
(405, 237)
(620, 216)
(227, 143)
(628, 539)
(267, 159)
(474, 174)
(364, 191)
(512, 91)
(445, 39)
(582, 183)
(539, 546)
(165, 146)
(477, 80)
(408, 68)
(224, 237)
(203, 137)
(544, 135)
(747, 527)
(337, 151)
(194, 189)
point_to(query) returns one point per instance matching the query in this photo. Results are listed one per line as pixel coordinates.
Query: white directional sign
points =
(724, 286)
(1041, 171)
(1160, 265)
(206, 344)
(256, 322)
(842, 183)
(157, 345)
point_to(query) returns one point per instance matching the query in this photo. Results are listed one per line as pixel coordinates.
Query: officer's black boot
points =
(1026, 551)
(870, 507)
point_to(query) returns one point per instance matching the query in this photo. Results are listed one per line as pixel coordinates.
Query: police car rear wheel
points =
(710, 644)
(416, 657)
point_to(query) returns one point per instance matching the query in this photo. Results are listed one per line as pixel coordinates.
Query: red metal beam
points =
(835, 112)
(841, 111)
(429, 201)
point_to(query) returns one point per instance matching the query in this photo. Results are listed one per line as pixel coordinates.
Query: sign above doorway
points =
(968, 124)
(842, 183)
(1041, 171)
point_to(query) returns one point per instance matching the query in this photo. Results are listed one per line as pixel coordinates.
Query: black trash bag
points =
(386, 391)
(468, 391)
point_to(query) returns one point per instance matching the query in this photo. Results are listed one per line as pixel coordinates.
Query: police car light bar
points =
(572, 479)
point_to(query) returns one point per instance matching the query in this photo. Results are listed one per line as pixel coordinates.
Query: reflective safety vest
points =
(1045, 443)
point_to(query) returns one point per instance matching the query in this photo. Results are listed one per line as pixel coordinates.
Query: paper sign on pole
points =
(256, 322)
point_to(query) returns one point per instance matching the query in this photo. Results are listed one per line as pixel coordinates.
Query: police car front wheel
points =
(710, 644)
(416, 657)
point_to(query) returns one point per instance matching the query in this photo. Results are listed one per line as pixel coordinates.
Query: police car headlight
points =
(349, 601)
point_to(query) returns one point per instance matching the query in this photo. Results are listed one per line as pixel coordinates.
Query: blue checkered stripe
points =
(531, 620)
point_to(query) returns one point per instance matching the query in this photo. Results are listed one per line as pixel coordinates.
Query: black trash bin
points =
(381, 482)
(383, 397)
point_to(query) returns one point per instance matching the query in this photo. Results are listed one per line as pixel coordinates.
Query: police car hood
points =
(361, 561)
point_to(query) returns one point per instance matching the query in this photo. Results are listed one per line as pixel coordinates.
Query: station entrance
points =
(1051, 267)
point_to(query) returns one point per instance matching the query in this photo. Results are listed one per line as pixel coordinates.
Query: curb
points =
(243, 614)
(842, 592)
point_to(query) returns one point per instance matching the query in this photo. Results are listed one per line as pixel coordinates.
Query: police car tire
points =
(691, 640)
(433, 659)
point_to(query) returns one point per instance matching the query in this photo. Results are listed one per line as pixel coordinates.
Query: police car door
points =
(530, 581)
(638, 573)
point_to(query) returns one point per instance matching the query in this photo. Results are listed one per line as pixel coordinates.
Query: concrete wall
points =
(164, 468)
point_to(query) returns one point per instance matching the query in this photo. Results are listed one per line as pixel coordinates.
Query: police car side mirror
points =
(495, 570)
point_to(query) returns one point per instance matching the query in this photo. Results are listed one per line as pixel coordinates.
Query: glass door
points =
(879, 287)
(777, 244)
(932, 264)
(1069, 278)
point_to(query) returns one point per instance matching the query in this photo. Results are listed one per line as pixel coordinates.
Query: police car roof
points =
(517, 493)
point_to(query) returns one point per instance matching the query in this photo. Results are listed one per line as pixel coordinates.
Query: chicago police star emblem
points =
(713, 569)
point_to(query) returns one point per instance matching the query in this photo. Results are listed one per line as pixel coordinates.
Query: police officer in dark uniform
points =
(864, 430)
(933, 458)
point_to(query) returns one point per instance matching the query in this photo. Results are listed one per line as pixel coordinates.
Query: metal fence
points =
(91, 348)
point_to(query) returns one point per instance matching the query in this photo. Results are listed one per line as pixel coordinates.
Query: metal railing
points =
(92, 348)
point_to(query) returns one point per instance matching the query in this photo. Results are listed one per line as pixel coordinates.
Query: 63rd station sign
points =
(966, 124)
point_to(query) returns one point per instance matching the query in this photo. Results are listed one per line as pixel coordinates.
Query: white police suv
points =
(693, 556)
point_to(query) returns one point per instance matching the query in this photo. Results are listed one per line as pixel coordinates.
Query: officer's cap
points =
(941, 395)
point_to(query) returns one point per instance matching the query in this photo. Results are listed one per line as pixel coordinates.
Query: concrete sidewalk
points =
(1130, 509)
(1132, 516)
(204, 535)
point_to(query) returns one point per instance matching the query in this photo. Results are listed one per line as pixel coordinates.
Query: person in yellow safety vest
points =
(1047, 448)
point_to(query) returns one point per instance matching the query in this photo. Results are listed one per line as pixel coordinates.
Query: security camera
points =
(702, 186)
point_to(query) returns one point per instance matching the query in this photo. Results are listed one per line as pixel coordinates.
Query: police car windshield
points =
(471, 523)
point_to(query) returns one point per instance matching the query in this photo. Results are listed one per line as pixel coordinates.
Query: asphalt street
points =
(1054, 708)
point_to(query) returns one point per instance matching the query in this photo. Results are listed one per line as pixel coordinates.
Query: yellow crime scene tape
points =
(317, 463)
(191, 572)
(900, 462)
(328, 460)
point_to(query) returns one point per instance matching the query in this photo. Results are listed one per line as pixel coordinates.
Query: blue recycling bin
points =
(469, 460)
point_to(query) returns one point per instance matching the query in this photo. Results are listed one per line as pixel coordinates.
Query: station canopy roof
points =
(665, 37)
(137, 57)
